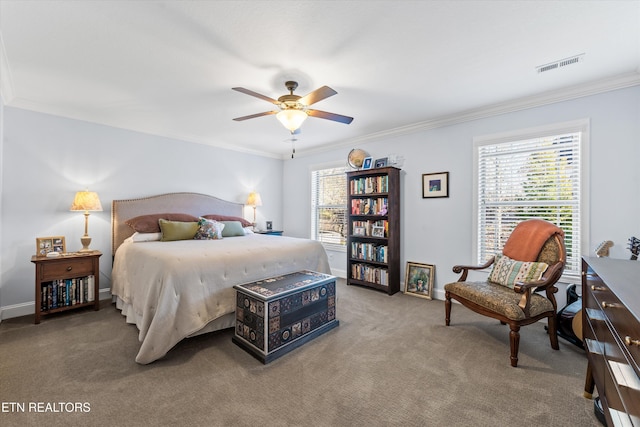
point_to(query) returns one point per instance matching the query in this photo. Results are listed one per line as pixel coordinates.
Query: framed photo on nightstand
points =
(44, 245)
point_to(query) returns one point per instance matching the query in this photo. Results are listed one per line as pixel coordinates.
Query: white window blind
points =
(531, 178)
(329, 206)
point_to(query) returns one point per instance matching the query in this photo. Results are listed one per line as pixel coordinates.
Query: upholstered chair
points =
(520, 289)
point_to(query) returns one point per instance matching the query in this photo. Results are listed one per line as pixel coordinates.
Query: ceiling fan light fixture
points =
(291, 118)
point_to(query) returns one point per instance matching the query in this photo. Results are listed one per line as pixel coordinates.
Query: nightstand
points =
(67, 282)
(271, 232)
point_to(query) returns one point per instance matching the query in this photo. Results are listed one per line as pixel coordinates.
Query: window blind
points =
(329, 206)
(532, 178)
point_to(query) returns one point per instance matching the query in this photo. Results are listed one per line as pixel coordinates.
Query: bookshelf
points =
(373, 243)
(66, 283)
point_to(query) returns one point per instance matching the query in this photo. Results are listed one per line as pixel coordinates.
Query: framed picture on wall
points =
(435, 185)
(418, 279)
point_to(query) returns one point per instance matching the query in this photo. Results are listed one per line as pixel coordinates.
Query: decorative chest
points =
(279, 314)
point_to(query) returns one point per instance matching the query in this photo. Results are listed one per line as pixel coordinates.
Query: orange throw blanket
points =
(527, 239)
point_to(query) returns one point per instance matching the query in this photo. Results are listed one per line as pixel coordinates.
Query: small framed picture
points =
(377, 231)
(367, 163)
(358, 231)
(381, 163)
(418, 279)
(435, 185)
(44, 245)
(269, 225)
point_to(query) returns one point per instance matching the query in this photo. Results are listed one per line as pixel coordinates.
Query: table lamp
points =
(86, 201)
(254, 200)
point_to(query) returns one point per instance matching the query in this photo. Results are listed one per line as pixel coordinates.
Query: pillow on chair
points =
(507, 272)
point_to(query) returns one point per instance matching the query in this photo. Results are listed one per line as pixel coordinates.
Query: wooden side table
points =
(67, 282)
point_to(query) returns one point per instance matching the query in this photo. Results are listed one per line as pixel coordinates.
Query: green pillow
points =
(177, 230)
(507, 272)
(232, 228)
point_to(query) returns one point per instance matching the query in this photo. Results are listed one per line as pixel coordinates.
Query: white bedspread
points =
(171, 290)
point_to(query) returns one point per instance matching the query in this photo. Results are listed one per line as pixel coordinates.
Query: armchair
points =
(532, 261)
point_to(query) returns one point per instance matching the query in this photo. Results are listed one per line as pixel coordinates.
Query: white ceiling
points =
(167, 67)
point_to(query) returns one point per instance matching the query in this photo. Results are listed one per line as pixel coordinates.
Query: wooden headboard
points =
(190, 203)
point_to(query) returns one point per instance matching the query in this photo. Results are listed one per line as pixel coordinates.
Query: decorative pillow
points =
(216, 217)
(177, 230)
(232, 228)
(149, 223)
(146, 237)
(507, 272)
(209, 229)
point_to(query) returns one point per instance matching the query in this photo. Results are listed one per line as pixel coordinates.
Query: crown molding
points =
(545, 98)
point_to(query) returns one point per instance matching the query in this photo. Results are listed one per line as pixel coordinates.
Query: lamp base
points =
(86, 241)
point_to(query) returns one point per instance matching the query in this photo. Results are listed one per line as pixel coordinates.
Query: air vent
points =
(561, 63)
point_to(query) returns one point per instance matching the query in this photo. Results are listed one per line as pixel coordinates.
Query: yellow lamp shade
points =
(86, 201)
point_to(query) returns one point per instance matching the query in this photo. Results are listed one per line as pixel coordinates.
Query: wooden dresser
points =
(611, 328)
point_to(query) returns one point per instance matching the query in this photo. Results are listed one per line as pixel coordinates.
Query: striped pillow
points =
(507, 272)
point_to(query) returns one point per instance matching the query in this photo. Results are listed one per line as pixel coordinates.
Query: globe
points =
(356, 158)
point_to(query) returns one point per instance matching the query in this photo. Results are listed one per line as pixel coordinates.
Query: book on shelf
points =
(369, 206)
(369, 273)
(369, 252)
(379, 228)
(67, 292)
(369, 185)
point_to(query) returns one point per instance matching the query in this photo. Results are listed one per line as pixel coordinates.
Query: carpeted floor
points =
(391, 362)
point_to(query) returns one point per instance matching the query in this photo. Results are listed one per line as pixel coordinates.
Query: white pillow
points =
(248, 230)
(146, 237)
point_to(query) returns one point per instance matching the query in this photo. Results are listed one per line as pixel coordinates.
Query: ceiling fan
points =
(294, 109)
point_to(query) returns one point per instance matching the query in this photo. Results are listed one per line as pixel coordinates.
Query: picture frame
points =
(269, 225)
(366, 164)
(44, 245)
(435, 185)
(377, 231)
(418, 279)
(381, 163)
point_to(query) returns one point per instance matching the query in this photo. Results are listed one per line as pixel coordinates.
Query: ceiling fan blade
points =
(317, 95)
(330, 116)
(256, 94)
(253, 116)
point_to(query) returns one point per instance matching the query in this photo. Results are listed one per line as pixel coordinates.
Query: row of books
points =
(67, 292)
(368, 185)
(369, 206)
(370, 273)
(369, 252)
(379, 228)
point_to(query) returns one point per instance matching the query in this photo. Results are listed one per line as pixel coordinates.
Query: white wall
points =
(438, 231)
(46, 159)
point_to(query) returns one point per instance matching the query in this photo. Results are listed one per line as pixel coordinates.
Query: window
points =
(329, 207)
(532, 174)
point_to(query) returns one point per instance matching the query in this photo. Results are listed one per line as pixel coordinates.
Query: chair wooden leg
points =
(514, 341)
(553, 332)
(447, 308)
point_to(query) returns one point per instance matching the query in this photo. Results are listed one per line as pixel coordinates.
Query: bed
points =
(172, 290)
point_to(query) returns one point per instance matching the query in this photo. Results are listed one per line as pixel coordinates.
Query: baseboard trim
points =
(29, 308)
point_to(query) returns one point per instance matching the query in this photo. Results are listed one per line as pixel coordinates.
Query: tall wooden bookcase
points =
(373, 244)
